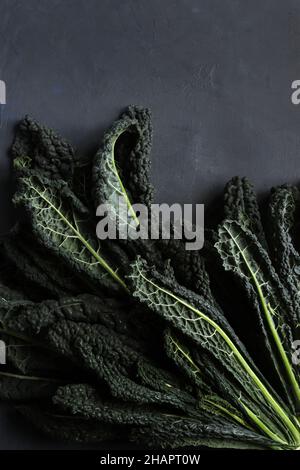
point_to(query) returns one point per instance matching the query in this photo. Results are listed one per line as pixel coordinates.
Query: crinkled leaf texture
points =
(81, 365)
(153, 427)
(63, 225)
(40, 148)
(206, 326)
(240, 204)
(246, 258)
(44, 276)
(121, 166)
(283, 210)
(70, 428)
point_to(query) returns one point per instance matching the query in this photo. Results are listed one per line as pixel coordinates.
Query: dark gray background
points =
(216, 73)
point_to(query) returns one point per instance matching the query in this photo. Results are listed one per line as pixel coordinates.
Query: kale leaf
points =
(132, 339)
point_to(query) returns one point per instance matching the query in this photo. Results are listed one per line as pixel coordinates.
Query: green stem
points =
(262, 426)
(268, 315)
(102, 262)
(30, 377)
(123, 190)
(227, 412)
(267, 395)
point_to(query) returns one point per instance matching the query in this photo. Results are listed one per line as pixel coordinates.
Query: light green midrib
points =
(119, 179)
(30, 377)
(277, 408)
(289, 370)
(287, 366)
(82, 239)
(227, 412)
(185, 355)
(262, 425)
(216, 405)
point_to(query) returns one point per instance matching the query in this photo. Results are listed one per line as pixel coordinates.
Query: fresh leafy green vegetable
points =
(70, 428)
(60, 221)
(283, 209)
(121, 166)
(162, 428)
(80, 318)
(206, 326)
(42, 273)
(240, 204)
(39, 148)
(242, 253)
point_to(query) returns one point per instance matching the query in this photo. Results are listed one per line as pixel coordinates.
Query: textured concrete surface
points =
(216, 73)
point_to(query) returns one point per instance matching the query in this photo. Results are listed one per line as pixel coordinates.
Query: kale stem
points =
(268, 311)
(265, 392)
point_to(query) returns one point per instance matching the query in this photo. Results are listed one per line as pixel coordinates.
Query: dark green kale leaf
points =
(46, 276)
(39, 148)
(88, 352)
(30, 319)
(121, 170)
(150, 425)
(240, 204)
(283, 208)
(63, 225)
(87, 402)
(173, 432)
(208, 328)
(19, 387)
(122, 164)
(182, 355)
(114, 362)
(243, 255)
(31, 358)
(100, 341)
(188, 266)
(69, 428)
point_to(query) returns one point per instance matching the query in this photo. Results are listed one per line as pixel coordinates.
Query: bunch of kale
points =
(133, 339)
